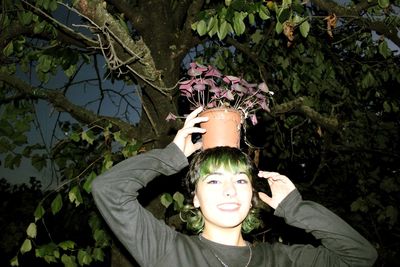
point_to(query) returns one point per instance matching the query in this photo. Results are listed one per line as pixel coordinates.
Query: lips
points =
(230, 206)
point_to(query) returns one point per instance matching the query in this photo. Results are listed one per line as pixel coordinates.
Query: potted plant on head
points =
(227, 100)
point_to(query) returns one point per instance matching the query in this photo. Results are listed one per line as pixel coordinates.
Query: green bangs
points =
(231, 162)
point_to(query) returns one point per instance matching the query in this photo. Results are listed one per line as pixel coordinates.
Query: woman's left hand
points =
(280, 186)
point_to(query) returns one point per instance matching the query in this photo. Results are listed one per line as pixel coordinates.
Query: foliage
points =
(332, 126)
(207, 87)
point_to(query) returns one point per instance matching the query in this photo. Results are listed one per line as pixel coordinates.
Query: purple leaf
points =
(194, 72)
(253, 119)
(199, 87)
(263, 87)
(170, 117)
(213, 72)
(237, 87)
(233, 79)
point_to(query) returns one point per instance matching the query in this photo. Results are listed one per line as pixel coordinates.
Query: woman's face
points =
(224, 198)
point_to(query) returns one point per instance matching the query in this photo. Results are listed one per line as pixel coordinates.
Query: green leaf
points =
(25, 18)
(384, 3)
(222, 30)
(212, 27)
(179, 200)
(359, 205)
(238, 24)
(53, 5)
(75, 196)
(387, 107)
(392, 214)
(70, 71)
(107, 162)
(296, 85)
(212, 21)
(32, 230)
(67, 245)
(264, 13)
(284, 14)
(98, 254)
(368, 80)
(39, 212)
(68, 261)
(12, 161)
(88, 136)
(75, 137)
(39, 27)
(94, 222)
(44, 63)
(131, 149)
(194, 25)
(84, 258)
(384, 49)
(56, 204)
(87, 186)
(5, 145)
(39, 162)
(9, 49)
(101, 238)
(26, 246)
(119, 138)
(252, 19)
(14, 261)
(278, 27)
(201, 27)
(304, 28)
(166, 200)
(256, 37)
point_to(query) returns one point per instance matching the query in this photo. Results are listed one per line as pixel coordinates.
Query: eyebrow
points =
(220, 173)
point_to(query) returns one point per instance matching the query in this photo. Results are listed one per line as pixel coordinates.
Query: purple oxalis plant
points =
(209, 88)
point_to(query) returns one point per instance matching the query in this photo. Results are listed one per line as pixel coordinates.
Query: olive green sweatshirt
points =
(152, 243)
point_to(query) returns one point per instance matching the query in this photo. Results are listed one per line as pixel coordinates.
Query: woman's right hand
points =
(183, 138)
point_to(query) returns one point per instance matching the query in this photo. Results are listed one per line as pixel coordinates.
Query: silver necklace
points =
(223, 263)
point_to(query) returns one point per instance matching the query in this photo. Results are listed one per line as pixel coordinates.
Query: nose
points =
(229, 189)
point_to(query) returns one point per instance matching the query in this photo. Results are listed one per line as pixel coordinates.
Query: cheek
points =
(248, 195)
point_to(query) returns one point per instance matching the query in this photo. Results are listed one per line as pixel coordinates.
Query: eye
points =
(242, 179)
(212, 181)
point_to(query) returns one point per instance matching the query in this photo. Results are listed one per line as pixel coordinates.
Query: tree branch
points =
(389, 31)
(143, 65)
(61, 103)
(296, 106)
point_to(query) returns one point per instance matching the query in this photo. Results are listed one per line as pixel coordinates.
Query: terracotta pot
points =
(223, 127)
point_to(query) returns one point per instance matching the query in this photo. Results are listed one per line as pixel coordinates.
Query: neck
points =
(231, 237)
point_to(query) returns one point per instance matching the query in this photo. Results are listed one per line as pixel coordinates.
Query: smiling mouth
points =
(228, 206)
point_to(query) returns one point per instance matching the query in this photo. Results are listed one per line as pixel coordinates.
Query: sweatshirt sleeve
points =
(341, 244)
(115, 193)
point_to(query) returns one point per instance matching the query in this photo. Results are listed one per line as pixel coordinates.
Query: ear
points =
(196, 201)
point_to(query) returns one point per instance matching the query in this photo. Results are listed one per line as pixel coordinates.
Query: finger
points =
(194, 114)
(264, 174)
(194, 121)
(190, 130)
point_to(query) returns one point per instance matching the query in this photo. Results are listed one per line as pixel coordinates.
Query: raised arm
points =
(115, 193)
(341, 244)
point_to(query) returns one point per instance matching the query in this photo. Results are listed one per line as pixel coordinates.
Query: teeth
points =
(229, 206)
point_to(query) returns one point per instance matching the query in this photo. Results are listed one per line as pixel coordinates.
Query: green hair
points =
(208, 161)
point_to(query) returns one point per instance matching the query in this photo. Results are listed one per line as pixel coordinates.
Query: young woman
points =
(221, 181)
